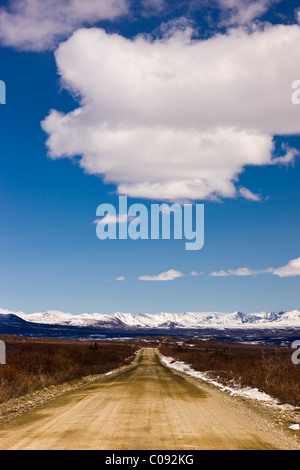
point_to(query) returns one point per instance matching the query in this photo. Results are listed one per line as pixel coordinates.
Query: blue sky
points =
(56, 168)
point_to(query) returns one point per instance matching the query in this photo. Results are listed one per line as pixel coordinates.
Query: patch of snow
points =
(294, 427)
(247, 392)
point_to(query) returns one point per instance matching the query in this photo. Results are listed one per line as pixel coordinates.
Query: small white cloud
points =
(38, 25)
(243, 12)
(241, 272)
(291, 269)
(195, 273)
(219, 273)
(114, 219)
(247, 271)
(288, 158)
(165, 276)
(247, 194)
(120, 278)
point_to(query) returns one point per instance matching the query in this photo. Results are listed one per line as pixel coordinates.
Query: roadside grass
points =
(33, 364)
(269, 369)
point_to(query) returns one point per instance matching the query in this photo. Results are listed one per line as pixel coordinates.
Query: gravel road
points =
(145, 406)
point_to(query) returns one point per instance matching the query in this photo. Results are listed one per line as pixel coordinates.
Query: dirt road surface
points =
(146, 406)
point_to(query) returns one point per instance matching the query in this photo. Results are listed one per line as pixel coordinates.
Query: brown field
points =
(33, 363)
(267, 368)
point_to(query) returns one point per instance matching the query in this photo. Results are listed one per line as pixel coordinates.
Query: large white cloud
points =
(37, 25)
(177, 118)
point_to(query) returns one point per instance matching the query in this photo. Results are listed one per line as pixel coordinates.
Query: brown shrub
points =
(269, 369)
(35, 364)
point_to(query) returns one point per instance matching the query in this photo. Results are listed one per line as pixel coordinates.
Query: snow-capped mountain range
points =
(186, 320)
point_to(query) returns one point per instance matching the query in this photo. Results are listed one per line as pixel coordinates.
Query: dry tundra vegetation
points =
(33, 364)
(268, 368)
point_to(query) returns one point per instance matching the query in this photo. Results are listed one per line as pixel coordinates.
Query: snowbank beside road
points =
(246, 392)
